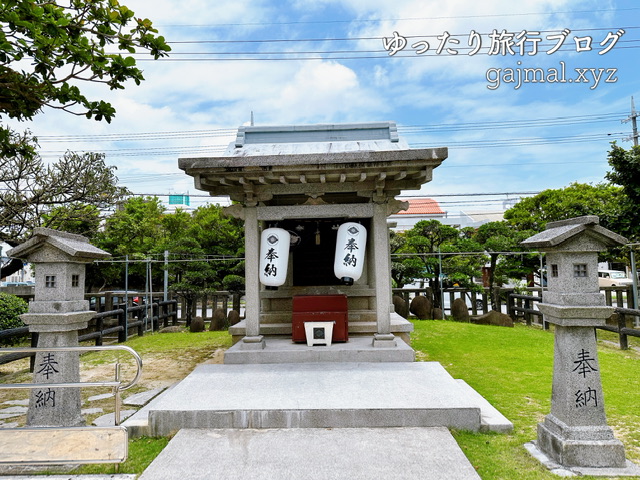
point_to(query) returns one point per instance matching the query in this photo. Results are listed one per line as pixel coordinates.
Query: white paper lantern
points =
(350, 246)
(274, 256)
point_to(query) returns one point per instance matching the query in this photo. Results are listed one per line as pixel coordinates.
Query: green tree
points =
(11, 307)
(578, 199)
(134, 230)
(77, 217)
(499, 241)
(61, 194)
(47, 49)
(625, 172)
(208, 247)
(436, 244)
(205, 247)
(192, 274)
(405, 269)
(608, 202)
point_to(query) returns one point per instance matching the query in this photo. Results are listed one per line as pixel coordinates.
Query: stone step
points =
(313, 454)
(331, 395)
(281, 349)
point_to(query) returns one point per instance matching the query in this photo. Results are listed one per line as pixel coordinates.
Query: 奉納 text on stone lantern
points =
(57, 312)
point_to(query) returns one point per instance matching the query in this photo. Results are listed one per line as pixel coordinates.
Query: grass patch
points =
(512, 368)
(142, 451)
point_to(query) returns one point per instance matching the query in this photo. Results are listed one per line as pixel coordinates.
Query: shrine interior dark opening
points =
(313, 249)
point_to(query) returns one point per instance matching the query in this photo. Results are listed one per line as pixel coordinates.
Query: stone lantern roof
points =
(48, 245)
(332, 161)
(561, 233)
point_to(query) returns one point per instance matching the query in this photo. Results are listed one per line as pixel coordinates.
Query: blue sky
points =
(323, 61)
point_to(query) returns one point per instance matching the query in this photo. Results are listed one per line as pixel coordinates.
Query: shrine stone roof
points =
(365, 159)
(46, 242)
(561, 232)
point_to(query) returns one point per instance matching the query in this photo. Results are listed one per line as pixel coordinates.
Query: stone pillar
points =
(252, 339)
(56, 406)
(576, 433)
(382, 276)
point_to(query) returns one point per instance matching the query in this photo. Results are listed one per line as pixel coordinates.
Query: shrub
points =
(11, 307)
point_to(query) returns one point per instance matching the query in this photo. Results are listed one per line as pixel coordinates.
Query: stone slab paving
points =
(101, 396)
(109, 419)
(312, 454)
(24, 403)
(15, 409)
(13, 412)
(91, 411)
(142, 398)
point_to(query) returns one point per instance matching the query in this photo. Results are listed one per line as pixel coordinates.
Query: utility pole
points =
(632, 118)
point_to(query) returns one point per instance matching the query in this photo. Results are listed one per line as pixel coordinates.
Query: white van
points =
(613, 278)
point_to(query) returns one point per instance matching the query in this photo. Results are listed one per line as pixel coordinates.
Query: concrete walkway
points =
(312, 454)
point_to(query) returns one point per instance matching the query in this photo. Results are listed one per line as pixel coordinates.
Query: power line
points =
(403, 129)
(352, 21)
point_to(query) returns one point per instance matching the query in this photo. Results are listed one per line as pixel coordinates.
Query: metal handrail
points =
(116, 384)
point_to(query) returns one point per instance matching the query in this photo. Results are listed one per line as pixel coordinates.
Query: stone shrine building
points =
(308, 180)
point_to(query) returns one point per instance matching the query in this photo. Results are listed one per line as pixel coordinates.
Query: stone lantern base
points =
(585, 446)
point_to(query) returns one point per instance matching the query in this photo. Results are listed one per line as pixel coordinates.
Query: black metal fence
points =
(522, 307)
(115, 324)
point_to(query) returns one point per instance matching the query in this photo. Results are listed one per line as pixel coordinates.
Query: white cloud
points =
(319, 92)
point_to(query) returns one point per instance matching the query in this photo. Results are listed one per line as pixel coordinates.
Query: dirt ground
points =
(160, 370)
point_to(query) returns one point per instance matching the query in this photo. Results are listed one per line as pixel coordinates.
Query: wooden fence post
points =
(622, 324)
(99, 328)
(123, 334)
(34, 344)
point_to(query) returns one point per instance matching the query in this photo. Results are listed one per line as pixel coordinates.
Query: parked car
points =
(613, 278)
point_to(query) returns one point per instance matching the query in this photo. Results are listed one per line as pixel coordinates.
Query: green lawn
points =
(512, 368)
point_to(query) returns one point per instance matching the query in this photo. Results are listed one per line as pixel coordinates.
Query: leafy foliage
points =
(404, 269)
(11, 307)
(205, 246)
(608, 202)
(578, 199)
(46, 49)
(68, 193)
(500, 241)
(33, 191)
(436, 244)
(626, 170)
(626, 173)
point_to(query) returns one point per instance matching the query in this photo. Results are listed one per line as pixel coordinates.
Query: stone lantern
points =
(57, 312)
(575, 433)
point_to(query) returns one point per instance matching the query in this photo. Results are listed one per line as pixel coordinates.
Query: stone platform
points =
(282, 350)
(313, 395)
